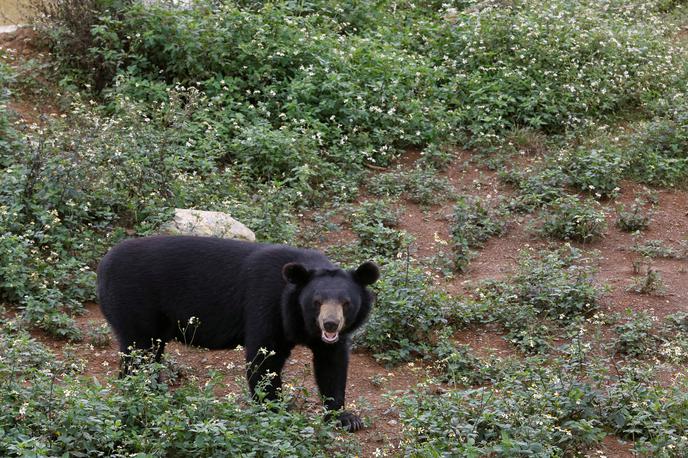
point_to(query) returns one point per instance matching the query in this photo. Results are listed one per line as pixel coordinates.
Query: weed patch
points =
(407, 314)
(474, 222)
(570, 218)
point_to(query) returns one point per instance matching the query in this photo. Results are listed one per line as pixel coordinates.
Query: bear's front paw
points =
(350, 422)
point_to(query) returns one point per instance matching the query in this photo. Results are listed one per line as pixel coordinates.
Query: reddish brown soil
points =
(431, 229)
(368, 380)
(19, 47)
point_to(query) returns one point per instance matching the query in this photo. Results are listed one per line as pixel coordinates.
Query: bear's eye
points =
(317, 303)
(345, 305)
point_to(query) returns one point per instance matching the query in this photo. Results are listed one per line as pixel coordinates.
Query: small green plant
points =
(422, 185)
(570, 218)
(408, 312)
(535, 189)
(474, 222)
(657, 155)
(374, 222)
(657, 249)
(378, 380)
(635, 337)
(650, 283)
(674, 336)
(456, 364)
(549, 289)
(425, 187)
(60, 413)
(635, 218)
(98, 334)
(597, 171)
(534, 410)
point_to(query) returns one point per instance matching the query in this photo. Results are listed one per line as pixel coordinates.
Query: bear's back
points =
(163, 281)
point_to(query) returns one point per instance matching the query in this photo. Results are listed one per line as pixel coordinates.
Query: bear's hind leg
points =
(142, 354)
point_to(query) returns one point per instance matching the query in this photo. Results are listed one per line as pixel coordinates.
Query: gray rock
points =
(208, 224)
(9, 28)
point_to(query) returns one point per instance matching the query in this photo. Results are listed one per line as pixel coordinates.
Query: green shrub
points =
(559, 283)
(474, 222)
(635, 337)
(534, 411)
(674, 336)
(71, 188)
(548, 289)
(98, 334)
(547, 65)
(560, 408)
(570, 218)
(59, 413)
(7, 133)
(407, 313)
(535, 189)
(597, 172)
(650, 283)
(648, 413)
(457, 365)
(658, 249)
(421, 185)
(659, 151)
(635, 219)
(374, 222)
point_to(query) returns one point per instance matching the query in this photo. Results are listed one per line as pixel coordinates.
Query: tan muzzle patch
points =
(331, 312)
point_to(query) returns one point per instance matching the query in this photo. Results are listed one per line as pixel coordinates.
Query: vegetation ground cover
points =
(574, 112)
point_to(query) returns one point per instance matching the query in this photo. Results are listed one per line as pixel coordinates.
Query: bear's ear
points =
(367, 273)
(295, 273)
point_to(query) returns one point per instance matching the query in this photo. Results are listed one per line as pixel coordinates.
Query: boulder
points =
(208, 224)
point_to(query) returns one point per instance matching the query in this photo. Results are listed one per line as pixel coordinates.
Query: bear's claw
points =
(350, 422)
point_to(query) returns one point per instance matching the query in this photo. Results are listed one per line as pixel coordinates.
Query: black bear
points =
(261, 296)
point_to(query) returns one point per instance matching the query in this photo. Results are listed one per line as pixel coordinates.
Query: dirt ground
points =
(369, 382)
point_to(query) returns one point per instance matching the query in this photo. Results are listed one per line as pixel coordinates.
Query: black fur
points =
(250, 294)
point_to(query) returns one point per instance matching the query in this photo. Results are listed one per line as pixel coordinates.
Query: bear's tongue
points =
(330, 337)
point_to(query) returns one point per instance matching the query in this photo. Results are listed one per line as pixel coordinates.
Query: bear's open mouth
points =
(330, 337)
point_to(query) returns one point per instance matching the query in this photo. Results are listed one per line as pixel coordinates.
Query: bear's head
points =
(332, 301)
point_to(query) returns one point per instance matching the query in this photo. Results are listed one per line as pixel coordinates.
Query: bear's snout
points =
(331, 320)
(331, 326)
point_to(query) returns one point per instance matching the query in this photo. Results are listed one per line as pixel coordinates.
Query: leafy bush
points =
(407, 313)
(60, 413)
(363, 85)
(548, 288)
(70, 189)
(7, 133)
(559, 64)
(536, 189)
(420, 185)
(558, 283)
(561, 408)
(69, 25)
(374, 223)
(569, 218)
(650, 283)
(474, 222)
(674, 335)
(635, 337)
(635, 219)
(658, 249)
(457, 365)
(650, 414)
(98, 335)
(597, 172)
(533, 411)
(659, 151)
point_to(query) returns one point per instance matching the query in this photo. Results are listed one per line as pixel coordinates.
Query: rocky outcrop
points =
(206, 223)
